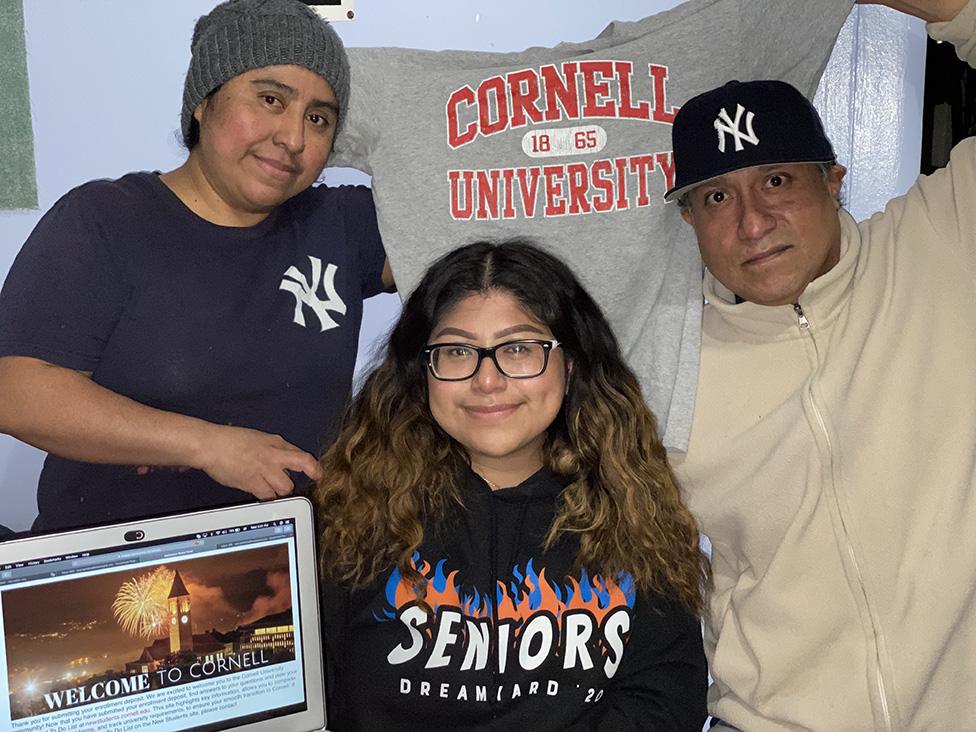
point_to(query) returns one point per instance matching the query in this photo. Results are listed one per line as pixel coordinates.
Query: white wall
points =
(871, 100)
(106, 81)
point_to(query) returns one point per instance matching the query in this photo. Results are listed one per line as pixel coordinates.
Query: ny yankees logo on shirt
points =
(725, 125)
(305, 290)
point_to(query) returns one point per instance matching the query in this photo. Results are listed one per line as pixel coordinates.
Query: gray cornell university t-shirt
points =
(571, 147)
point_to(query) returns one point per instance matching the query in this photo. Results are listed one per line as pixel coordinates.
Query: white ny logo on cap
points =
(725, 125)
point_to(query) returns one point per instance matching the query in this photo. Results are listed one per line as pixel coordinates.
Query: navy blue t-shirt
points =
(256, 327)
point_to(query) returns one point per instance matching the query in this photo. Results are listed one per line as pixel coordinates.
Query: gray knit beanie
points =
(240, 35)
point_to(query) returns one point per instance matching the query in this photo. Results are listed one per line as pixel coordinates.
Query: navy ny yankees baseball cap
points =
(742, 124)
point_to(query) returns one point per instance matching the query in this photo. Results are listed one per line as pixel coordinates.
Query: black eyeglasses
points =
(522, 359)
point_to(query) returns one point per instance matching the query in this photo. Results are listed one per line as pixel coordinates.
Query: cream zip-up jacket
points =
(832, 464)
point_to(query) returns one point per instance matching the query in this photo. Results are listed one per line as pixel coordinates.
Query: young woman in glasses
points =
(502, 539)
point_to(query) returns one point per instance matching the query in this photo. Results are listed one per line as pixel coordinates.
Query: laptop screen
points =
(191, 632)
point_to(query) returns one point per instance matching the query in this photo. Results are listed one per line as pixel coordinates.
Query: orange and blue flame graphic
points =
(526, 594)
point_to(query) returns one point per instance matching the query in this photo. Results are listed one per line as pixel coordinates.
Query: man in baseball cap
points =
(831, 455)
(759, 140)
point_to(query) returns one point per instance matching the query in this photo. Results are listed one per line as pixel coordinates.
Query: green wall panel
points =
(18, 181)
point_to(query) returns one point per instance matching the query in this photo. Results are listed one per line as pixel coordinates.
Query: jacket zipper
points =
(804, 325)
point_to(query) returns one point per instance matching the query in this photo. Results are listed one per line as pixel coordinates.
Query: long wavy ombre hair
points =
(393, 469)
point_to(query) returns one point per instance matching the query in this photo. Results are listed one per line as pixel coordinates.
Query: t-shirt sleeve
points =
(363, 233)
(370, 71)
(789, 40)
(662, 681)
(66, 290)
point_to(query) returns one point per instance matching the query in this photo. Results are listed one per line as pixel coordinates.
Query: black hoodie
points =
(517, 640)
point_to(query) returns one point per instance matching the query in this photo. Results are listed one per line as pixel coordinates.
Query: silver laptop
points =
(203, 621)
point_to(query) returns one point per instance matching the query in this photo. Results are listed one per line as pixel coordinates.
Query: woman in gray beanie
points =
(198, 346)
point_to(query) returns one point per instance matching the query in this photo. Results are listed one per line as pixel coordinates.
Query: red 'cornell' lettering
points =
(572, 90)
